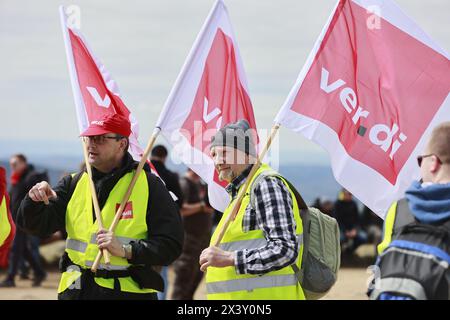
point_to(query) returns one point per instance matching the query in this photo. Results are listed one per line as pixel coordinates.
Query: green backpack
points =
(321, 245)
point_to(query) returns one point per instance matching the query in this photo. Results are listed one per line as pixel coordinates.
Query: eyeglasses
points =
(420, 158)
(101, 139)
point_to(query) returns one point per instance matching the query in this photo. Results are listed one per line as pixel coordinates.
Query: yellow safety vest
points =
(388, 228)
(81, 230)
(5, 226)
(226, 284)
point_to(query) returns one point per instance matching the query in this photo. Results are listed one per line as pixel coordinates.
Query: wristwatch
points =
(128, 249)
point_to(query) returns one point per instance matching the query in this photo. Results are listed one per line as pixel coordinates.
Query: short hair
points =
(440, 142)
(120, 137)
(20, 156)
(159, 151)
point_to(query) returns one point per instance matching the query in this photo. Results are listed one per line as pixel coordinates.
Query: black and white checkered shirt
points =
(274, 216)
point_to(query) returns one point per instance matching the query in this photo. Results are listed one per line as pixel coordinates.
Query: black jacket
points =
(346, 214)
(18, 191)
(165, 230)
(171, 180)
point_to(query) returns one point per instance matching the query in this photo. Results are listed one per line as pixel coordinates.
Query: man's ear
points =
(124, 144)
(435, 165)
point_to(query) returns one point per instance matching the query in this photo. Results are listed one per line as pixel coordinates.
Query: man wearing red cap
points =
(149, 232)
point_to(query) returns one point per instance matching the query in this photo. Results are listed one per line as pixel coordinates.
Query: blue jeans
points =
(21, 250)
(163, 295)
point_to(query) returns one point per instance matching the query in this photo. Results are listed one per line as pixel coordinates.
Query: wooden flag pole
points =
(243, 189)
(97, 210)
(129, 190)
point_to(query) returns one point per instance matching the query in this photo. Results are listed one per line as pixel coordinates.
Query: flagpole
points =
(125, 198)
(97, 210)
(244, 188)
(73, 81)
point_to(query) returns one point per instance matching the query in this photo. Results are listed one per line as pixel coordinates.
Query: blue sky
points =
(144, 44)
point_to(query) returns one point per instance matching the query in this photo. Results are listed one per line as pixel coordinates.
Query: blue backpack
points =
(416, 263)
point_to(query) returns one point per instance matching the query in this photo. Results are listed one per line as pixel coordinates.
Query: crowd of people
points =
(157, 231)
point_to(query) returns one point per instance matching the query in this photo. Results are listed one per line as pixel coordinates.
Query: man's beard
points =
(226, 175)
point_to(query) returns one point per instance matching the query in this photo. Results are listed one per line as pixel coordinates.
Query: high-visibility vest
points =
(5, 225)
(225, 284)
(397, 217)
(388, 227)
(81, 245)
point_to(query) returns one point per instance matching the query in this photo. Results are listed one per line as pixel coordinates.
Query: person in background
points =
(7, 225)
(372, 226)
(25, 247)
(324, 204)
(158, 158)
(197, 221)
(415, 251)
(347, 215)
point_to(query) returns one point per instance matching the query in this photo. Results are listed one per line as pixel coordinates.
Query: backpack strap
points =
(304, 215)
(272, 173)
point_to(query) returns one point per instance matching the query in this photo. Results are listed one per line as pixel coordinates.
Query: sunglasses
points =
(420, 158)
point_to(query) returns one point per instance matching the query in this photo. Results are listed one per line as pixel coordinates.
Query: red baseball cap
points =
(114, 123)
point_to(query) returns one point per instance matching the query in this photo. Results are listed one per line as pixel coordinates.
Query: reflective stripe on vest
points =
(226, 283)
(249, 284)
(122, 240)
(76, 245)
(102, 266)
(81, 246)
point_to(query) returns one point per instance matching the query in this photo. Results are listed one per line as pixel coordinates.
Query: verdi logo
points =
(388, 139)
(127, 211)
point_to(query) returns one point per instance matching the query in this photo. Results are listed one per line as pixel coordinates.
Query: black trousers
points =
(21, 250)
(88, 289)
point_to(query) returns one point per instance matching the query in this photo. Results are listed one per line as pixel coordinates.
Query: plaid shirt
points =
(274, 216)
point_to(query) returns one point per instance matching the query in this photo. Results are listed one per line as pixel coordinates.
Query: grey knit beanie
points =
(236, 135)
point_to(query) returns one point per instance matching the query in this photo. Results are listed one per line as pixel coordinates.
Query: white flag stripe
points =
(83, 121)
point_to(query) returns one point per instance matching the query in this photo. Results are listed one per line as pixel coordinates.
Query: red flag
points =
(7, 226)
(95, 92)
(210, 92)
(370, 93)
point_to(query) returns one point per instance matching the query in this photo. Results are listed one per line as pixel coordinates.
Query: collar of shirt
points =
(233, 187)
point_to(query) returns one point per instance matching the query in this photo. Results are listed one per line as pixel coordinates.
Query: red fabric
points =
(6, 246)
(221, 98)
(98, 99)
(15, 177)
(399, 80)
